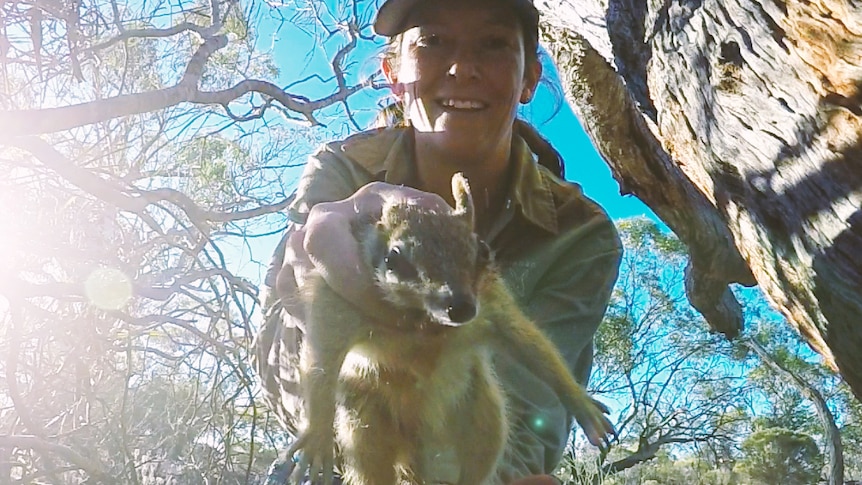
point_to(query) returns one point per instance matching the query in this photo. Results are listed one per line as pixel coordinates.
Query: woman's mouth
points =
(462, 104)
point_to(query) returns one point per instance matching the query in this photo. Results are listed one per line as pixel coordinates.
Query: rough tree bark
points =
(740, 124)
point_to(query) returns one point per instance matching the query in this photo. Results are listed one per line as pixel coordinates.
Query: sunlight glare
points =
(4, 309)
(108, 288)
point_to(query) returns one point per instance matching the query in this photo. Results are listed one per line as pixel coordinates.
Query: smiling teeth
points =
(461, 104)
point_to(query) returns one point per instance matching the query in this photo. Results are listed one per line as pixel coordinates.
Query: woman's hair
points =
(547, 155)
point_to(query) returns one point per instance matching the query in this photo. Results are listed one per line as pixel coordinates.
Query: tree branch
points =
(626, 141)
(50, 120)
(195, 68)
(94, 469)
(86, 180)
(646, 451)
(151, 34)
(832, 435)
(41, 121)
(136, 201)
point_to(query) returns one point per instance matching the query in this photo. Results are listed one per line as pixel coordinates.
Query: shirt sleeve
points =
(568, 303)
(276, 347)
(327, 177)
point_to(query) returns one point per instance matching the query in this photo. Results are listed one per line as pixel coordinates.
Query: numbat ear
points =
(463, 198)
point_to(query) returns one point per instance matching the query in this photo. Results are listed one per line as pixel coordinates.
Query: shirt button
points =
(508, 203)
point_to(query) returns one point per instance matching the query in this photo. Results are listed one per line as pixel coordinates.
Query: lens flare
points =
(108, 288)
(538, 423)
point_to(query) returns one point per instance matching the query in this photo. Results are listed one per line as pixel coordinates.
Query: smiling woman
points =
(460, 70)
(442, 77)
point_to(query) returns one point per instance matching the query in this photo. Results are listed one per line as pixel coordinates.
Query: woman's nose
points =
(465, 65)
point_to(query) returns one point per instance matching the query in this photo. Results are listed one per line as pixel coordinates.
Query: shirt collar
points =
(530, 189)
(388, 155)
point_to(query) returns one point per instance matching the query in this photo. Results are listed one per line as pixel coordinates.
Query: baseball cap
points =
(392, 16)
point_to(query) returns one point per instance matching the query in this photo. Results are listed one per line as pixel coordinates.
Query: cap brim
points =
(391, 17)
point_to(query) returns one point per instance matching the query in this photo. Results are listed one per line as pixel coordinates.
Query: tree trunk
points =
(740, 124)
(831, 433)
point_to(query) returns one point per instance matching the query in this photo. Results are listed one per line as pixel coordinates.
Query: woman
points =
(460, 69)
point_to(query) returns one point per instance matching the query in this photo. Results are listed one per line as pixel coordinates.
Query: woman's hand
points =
(327, 245)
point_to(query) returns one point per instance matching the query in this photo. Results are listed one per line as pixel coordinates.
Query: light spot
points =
(108, 288)
(538, 423)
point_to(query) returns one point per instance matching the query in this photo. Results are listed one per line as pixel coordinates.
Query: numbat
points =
(389, 394)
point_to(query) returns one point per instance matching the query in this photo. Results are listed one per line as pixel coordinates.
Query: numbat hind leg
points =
(372, 453)
(331, 329)
(483, 430)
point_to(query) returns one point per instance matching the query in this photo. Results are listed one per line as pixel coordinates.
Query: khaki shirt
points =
(557, 251)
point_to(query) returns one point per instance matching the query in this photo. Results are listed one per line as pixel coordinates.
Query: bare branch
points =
(50, 120)
(151, 34)
(196, 213)
(94, 469)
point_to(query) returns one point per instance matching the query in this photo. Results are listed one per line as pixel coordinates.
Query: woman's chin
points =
(458, 144)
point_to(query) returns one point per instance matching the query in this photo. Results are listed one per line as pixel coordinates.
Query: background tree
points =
(778, 456)
(851, 434)
(783, 368)
(674, 381)
(143, 149)
(687, 399)
(798, 393)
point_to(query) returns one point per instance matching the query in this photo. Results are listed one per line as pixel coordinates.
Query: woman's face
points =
(461, 75)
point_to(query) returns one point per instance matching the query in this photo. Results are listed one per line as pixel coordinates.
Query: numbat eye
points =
(398, 264)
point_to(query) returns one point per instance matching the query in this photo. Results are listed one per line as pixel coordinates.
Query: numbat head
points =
(430, 263)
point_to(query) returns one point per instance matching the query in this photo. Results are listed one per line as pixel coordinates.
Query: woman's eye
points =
(398, 264)
(497, 43)
(430, 40)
